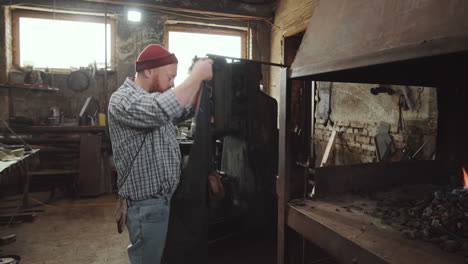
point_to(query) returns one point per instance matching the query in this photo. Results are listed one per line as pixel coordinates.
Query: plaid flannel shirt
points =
(144, 141)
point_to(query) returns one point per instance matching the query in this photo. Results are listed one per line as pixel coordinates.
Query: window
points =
(62, 41)
(187, 42)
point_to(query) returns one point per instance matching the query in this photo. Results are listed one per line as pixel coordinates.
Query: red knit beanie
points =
(154, 56)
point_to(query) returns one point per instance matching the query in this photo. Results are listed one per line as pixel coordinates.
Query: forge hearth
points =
(428, 213)
(361, 227)
(405, 212)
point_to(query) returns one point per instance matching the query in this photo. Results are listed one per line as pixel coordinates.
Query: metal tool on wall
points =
(402, 106)
(324, 105)
(407, 94)
(381, 89)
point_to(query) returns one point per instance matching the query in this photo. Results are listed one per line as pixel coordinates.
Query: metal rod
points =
(312, 123)
(13, 132)
(420, 148)
(261, 62)
(105, 55)
(284, 164)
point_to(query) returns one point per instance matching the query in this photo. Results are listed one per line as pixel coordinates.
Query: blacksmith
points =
(142, 117)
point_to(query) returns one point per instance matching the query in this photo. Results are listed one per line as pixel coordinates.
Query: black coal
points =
(431, 213)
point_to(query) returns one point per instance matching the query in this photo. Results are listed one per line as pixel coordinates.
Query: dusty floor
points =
(70, 235)
(88, 235)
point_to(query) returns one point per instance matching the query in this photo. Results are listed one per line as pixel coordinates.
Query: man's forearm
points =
(187, 91)
(195, 102)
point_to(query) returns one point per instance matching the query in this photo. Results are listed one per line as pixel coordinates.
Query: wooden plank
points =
(328, 149)
(378, 175)
(284, 163)
(178, 9)
(8, 239)
(52, 172)
(25, 217)
(58, 129)
(355, 237)
(334, 243)
(39, 141)
(90, 165)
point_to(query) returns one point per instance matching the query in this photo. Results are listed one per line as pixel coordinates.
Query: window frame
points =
(202, 29)
(15, 41)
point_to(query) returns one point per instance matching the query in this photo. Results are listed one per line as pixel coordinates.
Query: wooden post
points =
(284, 163)
(90, 179)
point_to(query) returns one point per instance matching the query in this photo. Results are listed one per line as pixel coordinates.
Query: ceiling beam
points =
(178, 9)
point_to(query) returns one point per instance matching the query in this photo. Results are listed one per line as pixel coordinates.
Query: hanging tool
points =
(381, 89)
(418, 106)
(420, 148)
(329, 107)
(407, 94)
(401, 106)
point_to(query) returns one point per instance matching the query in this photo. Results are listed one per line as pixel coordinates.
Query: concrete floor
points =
(89, 235)
(70, 235)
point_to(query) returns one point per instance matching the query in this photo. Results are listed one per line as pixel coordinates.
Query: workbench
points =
(16, 173)
(78, 152)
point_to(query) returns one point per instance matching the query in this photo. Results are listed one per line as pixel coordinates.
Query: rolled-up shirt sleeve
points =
(187, 113)
(145, 110)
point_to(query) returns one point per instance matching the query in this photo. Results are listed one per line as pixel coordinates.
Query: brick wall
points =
(357, 123)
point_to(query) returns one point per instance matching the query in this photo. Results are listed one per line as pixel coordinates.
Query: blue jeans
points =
(147, 222)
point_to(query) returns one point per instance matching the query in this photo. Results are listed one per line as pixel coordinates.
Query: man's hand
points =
(202, 69)
(189, 90)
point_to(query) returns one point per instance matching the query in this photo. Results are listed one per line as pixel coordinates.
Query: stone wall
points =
(131, 38)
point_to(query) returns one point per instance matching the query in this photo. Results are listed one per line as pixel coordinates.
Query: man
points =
(142, 113)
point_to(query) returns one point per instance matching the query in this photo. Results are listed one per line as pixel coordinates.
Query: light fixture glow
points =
(134, 16)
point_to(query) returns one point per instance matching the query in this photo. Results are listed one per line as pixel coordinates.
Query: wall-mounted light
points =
(134, 16)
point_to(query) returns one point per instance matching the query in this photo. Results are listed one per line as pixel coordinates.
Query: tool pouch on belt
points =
(215, 187)
(121, 214)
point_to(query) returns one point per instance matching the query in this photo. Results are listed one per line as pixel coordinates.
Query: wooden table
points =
(17, 171)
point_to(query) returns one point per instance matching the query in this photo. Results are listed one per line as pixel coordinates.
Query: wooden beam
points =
(59, 129)
(8, 239)
(59, 10)
(178, 9)
(24, 217)
(377, 176)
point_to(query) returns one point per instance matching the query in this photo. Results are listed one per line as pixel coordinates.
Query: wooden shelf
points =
(30, 87)
(359, 236)
(52, 172)
(58, 129)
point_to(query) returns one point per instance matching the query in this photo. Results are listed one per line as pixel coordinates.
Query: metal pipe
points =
(105, 55)
(261, 62)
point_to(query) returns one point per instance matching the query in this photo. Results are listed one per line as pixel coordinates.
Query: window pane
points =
(186, 45)
(62, 44)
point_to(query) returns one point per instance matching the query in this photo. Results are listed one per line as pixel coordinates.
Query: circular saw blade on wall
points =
(79, 81)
